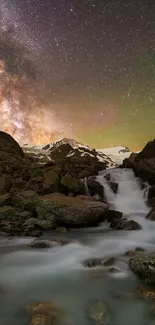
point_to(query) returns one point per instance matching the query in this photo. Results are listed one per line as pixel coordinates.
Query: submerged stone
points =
(99, 313)
(45, 313)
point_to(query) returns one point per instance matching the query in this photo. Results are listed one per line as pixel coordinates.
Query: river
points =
(57, 274)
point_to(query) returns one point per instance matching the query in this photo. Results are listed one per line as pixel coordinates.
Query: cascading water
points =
(129, 198)
(58, 274)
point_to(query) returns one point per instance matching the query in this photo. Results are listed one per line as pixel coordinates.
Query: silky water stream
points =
(58, 274)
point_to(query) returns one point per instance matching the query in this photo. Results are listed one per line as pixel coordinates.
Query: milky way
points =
(84, 69)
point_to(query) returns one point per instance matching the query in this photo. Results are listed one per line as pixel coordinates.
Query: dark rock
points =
(92, 262)
(143, 163)
(113, 215)
(24, 215)
(151, 195)
(51, 181)
(125, 224)
(9, 145)
(95, 187)
(99, 313)
(109, 262)
(107, 177)
(130, 253)
(25, 200)
(3, 234)
(114, 186)
(42, 244)
(139, 249)
(151, 214)
(5, 199)
(60, 229)
(71, 212)
(5, 184)
(48, 243)
(72, 184)
(33, 233)
(34, 223)
(113, 270)
(144, 267)
(7, 213)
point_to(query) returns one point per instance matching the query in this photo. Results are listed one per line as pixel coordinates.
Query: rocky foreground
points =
(46, 190)
(47, 193)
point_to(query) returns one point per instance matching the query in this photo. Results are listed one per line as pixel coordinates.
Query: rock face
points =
(143, 267)
(151, 215)
(9, 145)
(143, 163)
(151, 195)
(71, 212)
(96, 186)
(125, 224)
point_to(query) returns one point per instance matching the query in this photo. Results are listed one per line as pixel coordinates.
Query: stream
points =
(31, 275)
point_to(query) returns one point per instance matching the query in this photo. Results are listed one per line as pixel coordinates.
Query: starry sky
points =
(82, 69)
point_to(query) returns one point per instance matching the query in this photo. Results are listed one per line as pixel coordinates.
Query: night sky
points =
(82, 69)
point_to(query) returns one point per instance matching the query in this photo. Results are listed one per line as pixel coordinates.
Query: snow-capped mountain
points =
(67, 148)
(117, 153)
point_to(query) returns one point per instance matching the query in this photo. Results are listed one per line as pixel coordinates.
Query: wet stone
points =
(92, 262)
(99, 313)
(113, 270)
(46, 313)
(109, 262)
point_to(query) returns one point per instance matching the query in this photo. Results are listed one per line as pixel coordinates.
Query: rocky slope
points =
(143, 165)
(48, 192)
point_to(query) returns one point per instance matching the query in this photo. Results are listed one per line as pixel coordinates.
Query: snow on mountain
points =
(117, 153)
(113, 156)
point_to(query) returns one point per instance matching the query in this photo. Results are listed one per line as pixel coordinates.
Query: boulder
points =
(9, 145)
(5, 199)
(144, 267)
(151, 214)
(99, 313)
(25, 200)
(151, 195)
(113, 215)
(5, 183)
(46, 313)
(125, 224)
(71, 212)
(92, 262)
(143, 163)
(48, 243)
(51, 181)
(71, 184)
(34, 223)
(7, 213)
(95, 187)
(42, 244)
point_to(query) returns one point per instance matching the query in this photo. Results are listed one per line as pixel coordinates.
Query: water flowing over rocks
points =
(24, 180)
(94, 237)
